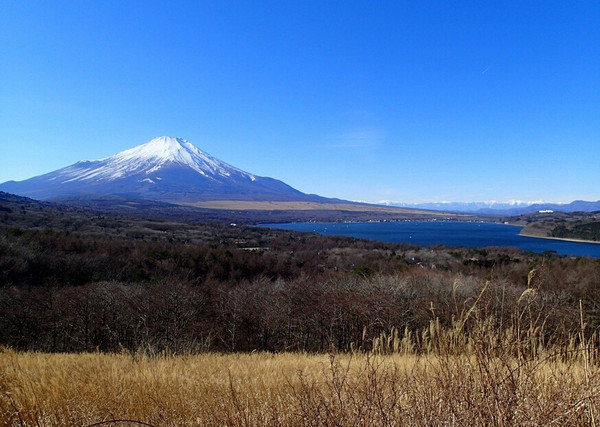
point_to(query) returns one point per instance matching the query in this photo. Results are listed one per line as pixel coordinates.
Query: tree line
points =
(244, 289)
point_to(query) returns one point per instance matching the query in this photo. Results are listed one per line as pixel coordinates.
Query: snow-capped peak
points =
(167, 149)
(164, 148)
(165, 169)
(152, 157)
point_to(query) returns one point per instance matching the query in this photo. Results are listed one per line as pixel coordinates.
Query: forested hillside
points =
(74, 279)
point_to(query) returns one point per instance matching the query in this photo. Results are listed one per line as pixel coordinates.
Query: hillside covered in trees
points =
(77, 279)
(561, 225)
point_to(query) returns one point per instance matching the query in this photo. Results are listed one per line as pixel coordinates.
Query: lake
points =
(448, 233)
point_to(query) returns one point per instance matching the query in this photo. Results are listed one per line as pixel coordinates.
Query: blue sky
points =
(404, 101)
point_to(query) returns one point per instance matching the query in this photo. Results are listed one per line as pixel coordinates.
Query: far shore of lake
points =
(564, 239)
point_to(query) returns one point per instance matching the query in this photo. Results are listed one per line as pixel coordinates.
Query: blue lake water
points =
(448, 233)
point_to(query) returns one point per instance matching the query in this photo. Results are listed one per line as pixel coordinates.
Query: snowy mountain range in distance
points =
(164, 169)
(500, 208)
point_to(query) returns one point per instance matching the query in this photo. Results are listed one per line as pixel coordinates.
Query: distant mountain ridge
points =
(502, 208)
(164, 169)
(173, 170)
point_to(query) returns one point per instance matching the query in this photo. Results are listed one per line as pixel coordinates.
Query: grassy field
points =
(484, 377)
(298, 205)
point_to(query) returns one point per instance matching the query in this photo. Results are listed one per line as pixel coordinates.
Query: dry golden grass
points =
(310, 206)
(295, 389)
(474, 372)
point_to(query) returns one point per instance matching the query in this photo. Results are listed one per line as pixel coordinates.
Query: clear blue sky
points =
(406, 101)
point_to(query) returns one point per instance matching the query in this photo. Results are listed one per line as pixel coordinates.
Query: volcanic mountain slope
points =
(164, 169)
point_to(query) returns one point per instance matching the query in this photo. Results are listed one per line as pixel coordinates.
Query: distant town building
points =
(546, 211)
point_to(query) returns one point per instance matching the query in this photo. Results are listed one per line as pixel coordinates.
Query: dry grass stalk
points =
(476, 371)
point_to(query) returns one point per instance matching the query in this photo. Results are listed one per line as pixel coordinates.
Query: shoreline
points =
(564, 239)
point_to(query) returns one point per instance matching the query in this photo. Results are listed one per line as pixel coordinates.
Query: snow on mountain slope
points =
(165, 169)
(149, 158)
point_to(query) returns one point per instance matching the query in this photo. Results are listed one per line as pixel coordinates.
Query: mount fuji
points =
(164, 169)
